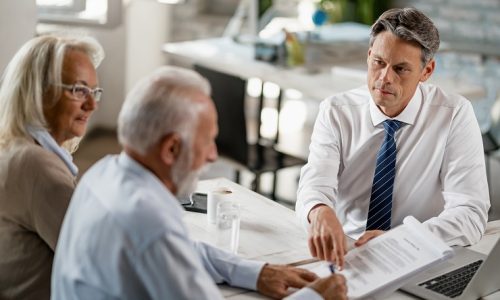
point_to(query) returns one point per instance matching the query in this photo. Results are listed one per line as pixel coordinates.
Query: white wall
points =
(148, 28)
(17, 25)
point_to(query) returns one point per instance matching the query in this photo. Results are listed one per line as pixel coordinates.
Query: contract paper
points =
(385, 263)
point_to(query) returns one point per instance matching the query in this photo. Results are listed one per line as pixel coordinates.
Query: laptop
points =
(467, 275)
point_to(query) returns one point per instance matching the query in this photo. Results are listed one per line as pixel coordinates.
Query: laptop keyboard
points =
(453, 283)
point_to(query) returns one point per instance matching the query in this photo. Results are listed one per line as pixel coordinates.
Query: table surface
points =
(268, 230)
(271, 232)
(225, 55)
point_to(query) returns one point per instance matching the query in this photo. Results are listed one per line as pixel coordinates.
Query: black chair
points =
(491, 144)
(228, 93)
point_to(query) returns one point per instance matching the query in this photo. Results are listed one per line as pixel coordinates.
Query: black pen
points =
(332, 268)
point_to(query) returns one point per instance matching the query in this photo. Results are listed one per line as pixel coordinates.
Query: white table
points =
(268, 230)
(227, 56)
(272, 233)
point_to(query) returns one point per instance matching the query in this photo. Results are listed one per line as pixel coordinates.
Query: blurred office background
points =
(133, 33)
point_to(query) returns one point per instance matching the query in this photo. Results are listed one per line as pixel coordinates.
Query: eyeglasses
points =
(81, 92)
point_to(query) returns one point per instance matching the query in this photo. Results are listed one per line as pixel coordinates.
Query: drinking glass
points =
(228, 225)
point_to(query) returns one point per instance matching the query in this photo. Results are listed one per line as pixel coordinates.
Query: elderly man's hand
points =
(274, 280)
(326, 236)
(368, 235)
(332, 287)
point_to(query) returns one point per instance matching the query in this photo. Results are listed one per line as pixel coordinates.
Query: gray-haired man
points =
(123, 236)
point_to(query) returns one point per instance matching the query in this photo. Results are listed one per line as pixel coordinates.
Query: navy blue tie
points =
(379, 213)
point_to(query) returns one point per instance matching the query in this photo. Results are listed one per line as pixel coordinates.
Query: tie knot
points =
(391, 126)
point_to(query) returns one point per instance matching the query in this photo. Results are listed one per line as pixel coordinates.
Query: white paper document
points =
(385, 263)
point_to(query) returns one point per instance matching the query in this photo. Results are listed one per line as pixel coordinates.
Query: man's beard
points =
(184, 178)
(188, 184)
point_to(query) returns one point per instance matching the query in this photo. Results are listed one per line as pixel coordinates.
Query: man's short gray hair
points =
(35, 68)
(161, 104)
(410, 25)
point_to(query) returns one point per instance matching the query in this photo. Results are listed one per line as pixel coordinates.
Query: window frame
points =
(75, 15)
(76, 6)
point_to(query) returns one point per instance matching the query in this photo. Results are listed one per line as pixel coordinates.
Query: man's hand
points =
(368, 235)
(326, 236)
(274, 280)
(331, 288)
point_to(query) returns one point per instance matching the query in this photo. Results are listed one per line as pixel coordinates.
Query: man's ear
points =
(170, 148)
(428, 70)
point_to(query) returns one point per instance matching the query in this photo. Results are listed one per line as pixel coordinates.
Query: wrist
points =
(262, 277)
(313, 213)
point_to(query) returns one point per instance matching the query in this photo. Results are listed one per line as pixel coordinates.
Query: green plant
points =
(361, 11)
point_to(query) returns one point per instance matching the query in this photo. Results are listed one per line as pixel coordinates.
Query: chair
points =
(491, 136)
(491, 143)
(486, 110)
(228, 93)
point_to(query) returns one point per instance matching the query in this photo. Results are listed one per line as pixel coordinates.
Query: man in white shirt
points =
(123, 236)
(394, 148)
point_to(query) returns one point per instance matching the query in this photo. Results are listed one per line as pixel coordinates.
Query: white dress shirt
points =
(440, 169)
(123, 238)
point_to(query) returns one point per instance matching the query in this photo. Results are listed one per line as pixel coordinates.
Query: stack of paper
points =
(385, 263)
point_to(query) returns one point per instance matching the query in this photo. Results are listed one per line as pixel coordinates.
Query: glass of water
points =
(228, 225)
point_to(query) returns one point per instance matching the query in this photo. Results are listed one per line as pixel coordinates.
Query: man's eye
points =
(401, 70)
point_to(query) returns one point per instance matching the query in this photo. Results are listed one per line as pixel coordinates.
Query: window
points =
(47, 6)
(80, 12)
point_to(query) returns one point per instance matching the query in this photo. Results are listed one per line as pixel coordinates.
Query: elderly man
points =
(355, 184)
(123, 236)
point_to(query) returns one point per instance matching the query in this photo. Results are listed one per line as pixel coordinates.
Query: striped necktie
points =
(379, 213)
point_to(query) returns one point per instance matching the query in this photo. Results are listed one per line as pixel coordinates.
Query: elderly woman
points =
(48, 92)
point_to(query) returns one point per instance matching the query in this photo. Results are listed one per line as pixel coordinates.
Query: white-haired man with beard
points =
(123, 235)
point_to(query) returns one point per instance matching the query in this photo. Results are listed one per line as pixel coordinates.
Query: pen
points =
(332, 268)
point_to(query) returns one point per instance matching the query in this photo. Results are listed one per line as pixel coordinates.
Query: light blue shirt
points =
(123, 238)
(43, 137)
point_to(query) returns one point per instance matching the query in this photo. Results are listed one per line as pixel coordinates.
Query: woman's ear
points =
(170, 148)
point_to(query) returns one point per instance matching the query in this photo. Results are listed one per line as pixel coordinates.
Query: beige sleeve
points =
(53, 186)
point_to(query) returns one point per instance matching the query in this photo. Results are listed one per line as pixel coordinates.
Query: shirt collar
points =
(407, 116)
(135, 167)
(43, 137)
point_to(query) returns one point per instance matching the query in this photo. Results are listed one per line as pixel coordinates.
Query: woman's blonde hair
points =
(32, 71)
